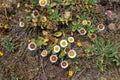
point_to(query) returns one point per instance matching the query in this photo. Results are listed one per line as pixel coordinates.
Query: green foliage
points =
(62, 55)
(105, 52)
(53, 4)
(91, 2)
(41, 42)
(14, 78)
(50, 48)
(34, 2)
(91, 29)
(58, 34)
(117, 60)
(54, 15)
(76, 26)
(68, 2)
(74, 60)
(9, 44)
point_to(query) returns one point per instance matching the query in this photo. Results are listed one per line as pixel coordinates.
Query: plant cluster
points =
(68, 13)
(79, 16)
(61, 50)
(9, 44)
(105, 52)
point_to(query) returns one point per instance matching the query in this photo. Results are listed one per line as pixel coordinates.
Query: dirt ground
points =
(27, 65)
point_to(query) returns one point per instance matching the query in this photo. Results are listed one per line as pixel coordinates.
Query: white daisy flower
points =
(35, 13)
(64, 64)
(101, 27)
(63, 43)
(32, 46)
(70, 39)
(72, 54)
(21, 24)
(82, 31)
(56, 49)
(53, 58)
(44, 53)
(43, 3)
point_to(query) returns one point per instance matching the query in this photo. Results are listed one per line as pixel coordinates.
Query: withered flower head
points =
(43, 19)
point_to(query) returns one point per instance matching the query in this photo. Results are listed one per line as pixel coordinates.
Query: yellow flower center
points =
(3, 4)
(71, 39)
(43, 2)
(56, 48)
(1, 54)
(71, 53)
(64, 43)
(101, 26)
(44, 53)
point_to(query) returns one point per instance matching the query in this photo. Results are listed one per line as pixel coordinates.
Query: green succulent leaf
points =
(34, 1)
(58, 34)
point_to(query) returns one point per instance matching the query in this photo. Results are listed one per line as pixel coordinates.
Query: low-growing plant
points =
(105, 52)
(117, 59)
(14, 78)
(41, 42)
(76, 26)
(54, 15)
(34, 2)
(91, 2)
(62, 50)
(9, 44)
